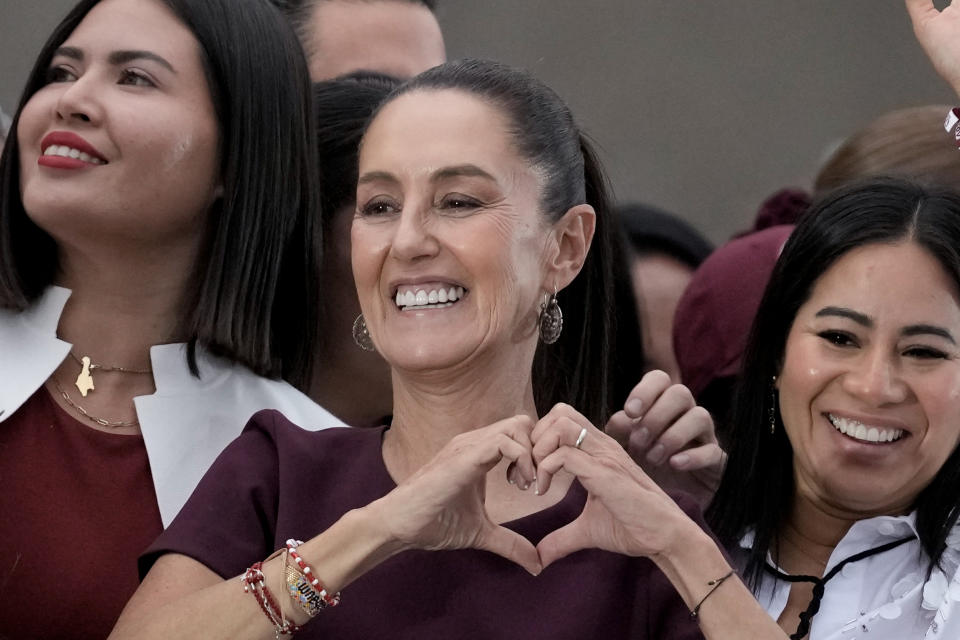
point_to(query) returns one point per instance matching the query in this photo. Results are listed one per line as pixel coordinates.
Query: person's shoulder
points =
(254, 392)
(284, 432)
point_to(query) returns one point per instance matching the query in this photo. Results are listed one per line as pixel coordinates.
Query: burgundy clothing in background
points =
(277, 481)
(77, 507)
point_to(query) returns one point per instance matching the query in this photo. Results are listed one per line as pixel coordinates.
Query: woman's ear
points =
(573, 233)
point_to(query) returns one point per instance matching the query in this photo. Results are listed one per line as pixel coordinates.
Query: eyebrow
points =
(843, 312)
(928, 329)
(376, 176)
(117, 57)
(468, 170)
(866, 321)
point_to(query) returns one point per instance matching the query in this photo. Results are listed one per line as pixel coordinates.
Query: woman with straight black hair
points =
(158, 275)
(840, 499)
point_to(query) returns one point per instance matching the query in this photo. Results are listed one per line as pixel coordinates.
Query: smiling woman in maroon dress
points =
(478, 201)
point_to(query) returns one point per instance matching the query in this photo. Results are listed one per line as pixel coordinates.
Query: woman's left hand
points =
(626, 512)
(670, 436)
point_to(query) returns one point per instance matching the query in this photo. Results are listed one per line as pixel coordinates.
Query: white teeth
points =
(424, 299)
(69, 152)
(859, 431)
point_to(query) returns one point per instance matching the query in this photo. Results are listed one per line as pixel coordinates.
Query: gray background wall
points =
(702, 108)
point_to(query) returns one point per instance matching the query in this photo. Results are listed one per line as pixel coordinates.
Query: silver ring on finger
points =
(581, 438)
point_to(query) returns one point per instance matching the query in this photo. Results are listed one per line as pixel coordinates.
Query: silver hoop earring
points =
(361, 335)
(772, 414)
(551, 318)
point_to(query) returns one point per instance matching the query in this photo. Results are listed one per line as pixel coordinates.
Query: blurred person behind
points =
(907, 143)
(4, 127)
(714, 316)
(399, 38)
(352, 383)
(664, 252)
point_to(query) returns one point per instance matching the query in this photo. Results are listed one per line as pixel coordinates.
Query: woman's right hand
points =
(441, 506)
(939, 34)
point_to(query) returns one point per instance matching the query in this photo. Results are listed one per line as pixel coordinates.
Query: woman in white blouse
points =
(839, 501)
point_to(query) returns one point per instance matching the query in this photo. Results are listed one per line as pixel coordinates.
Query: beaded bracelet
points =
(715, 584)
(254, 583)
(311, 578)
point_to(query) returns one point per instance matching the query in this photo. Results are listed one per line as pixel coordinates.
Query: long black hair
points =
(757, 490)
(257, 276)
(577, 369)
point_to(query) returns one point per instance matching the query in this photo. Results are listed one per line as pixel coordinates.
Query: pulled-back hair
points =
(758, 488)
(577, 368)
(256, 277)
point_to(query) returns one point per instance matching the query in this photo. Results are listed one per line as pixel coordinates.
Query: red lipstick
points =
(72, 140)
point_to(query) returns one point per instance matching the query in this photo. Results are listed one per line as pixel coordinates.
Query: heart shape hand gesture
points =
(441, 506)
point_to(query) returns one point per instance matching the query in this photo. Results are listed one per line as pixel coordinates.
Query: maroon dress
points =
(77, 506)
(277, 481)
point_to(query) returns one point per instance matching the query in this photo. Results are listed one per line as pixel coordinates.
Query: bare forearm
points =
(730, 612)
(182, 599)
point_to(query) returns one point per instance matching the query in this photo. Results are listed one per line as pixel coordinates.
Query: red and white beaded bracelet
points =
(253, 582)
(315, 584)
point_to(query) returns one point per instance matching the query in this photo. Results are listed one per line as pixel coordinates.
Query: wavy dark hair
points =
(578, 369)
(758, 488)
(257, 277)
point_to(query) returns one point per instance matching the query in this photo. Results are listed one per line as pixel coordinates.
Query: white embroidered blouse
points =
(882, 597)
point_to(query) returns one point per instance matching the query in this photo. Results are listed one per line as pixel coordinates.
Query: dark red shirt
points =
(277, 481)
(77, 506)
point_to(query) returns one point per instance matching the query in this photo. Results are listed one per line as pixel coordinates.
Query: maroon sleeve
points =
(228, 522)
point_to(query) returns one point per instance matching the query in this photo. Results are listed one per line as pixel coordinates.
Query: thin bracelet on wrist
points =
(714, 584)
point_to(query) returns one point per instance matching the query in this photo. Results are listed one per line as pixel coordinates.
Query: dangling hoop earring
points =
(361, 335)
(551, 318)
(772, 414)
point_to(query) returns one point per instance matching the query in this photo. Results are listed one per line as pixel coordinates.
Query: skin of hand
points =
(441, 506)
(626, 512)
(939, 34)
(670, 436)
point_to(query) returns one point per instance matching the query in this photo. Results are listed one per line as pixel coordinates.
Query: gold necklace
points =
(100, 421)
(84, 381)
